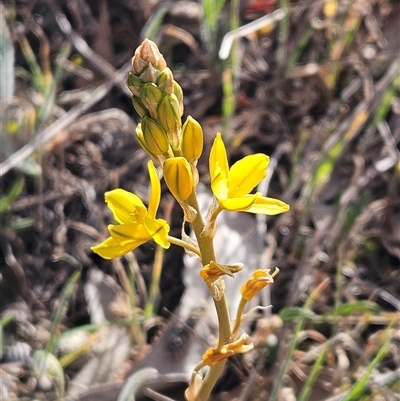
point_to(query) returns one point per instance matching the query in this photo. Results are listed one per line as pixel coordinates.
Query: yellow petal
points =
(219, 183)
(125, 205)
(218, 159)
(158, 230)
(268, 206)
(155, 190)
(246, 174)
(110, 249)
(238, 204)
(129, 235)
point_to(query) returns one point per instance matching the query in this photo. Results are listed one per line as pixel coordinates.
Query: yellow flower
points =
(232, 186)
(137, 224)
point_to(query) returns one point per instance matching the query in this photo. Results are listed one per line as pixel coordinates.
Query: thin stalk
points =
(229, 76)
(134, 279)
(283, 35)
(293, 343)
(154, 290)
(338, 296)
(362, 384)
(300, 45)
(59, 312)
(312, 377)
(4, 321)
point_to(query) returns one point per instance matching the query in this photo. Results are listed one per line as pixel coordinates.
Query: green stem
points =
(239, 315)
(283, 36)
(206, 247)
(154, 291)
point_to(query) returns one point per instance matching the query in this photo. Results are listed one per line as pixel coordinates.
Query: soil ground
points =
(318, 92)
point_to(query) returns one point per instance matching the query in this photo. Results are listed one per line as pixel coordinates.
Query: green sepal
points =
(179, 95)
(139, 107)
(151, 95)
(134, 83)
(165, 81)
(170, 119)
(142, 142)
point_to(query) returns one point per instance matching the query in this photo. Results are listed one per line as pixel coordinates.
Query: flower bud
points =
(179, 95)
(147, 53)
(165, 81)
(151, 95)
(150, 74)
(142, 142)
(154, 136)
(170, 119)
(192, 140)
(178, 177)
(134, 82)
(139, 107)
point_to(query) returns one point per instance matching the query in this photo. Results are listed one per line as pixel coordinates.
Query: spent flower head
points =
(213, 270)
(215, 355)
(258, 280)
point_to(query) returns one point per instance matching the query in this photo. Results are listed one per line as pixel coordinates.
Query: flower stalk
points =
(176, 148)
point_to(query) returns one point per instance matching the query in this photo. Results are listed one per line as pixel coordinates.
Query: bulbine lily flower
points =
(232, 186)
(137, 224)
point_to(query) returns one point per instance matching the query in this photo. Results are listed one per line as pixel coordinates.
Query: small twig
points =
(91, 56)
(64, 121)
(247, 29)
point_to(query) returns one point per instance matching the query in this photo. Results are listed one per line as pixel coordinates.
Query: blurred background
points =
(313, 84)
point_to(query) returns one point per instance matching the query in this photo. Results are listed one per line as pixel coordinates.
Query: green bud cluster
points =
(158, 99)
